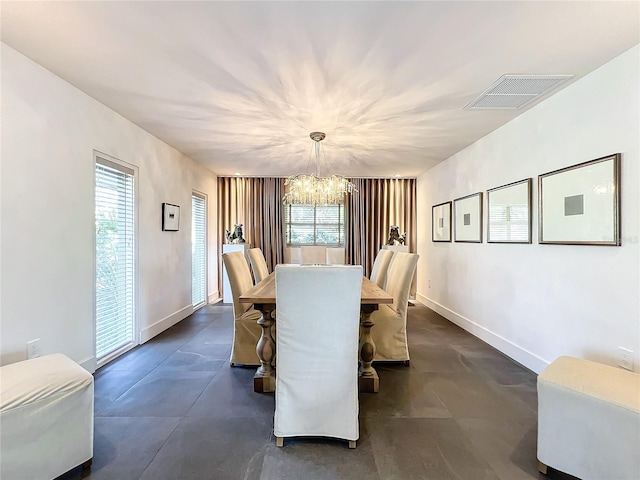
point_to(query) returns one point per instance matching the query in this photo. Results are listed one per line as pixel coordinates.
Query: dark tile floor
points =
(173, 409)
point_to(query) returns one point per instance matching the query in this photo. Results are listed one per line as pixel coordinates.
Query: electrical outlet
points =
(429, 283)
(626, 359)
(33, 348)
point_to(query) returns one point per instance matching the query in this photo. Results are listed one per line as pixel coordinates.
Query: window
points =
(198, 250)
(314, 225)
(115, 266)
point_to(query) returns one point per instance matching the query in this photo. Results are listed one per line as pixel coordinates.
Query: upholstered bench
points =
(46, 418)
(589, 420)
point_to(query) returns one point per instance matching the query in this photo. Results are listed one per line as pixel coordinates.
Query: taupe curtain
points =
(256, 203)
(379, 203)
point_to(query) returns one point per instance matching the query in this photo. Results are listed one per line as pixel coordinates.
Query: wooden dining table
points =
(263, 297)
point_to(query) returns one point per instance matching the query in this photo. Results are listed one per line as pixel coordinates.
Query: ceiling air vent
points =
(512, 92)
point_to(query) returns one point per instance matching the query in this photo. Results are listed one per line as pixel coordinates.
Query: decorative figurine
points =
(394, 236)
(236, 236)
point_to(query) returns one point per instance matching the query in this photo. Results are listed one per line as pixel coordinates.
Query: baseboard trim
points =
(90, 364)
(214, 297)
(160, 326)
(517, 353)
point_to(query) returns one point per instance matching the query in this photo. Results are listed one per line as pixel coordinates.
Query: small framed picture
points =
(467, 215)
(580, 205)
(441, 222)
(509, 219)
(170, 217)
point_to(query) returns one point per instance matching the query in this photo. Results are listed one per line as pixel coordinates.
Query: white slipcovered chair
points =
(46, 418)
(246, 331)
(589, 420)
(335, 256)
(390, 321)
(380, 267)
(318, 313)
(258, 264)
(294, 255)
(313, 255)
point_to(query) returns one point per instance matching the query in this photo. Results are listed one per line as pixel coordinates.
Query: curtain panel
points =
(256, 203)
(379, 203)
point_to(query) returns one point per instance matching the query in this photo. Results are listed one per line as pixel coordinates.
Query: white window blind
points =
(198, 250)
(314, 225)
(115, 250)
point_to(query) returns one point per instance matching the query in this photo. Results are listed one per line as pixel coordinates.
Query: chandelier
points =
(312, 189)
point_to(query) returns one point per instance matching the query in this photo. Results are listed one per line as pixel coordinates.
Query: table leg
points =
(368, 380)
(264, 379)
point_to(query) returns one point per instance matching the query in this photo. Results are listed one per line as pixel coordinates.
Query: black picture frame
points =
(170, 217)
(441, 222)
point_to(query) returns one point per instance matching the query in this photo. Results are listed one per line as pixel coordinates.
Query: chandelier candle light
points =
(311, 189)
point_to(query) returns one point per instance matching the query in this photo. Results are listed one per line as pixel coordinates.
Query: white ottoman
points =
(589, 420)
(46, 418)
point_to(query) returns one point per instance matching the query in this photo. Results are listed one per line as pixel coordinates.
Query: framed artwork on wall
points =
(509, 217)
(441, 222)
(170, 217)
(580, 205)
(467, 215)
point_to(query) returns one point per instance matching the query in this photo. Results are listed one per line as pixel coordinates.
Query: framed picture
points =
(467, 215)
(170, 217)
(509, 218)
(580, 205)
(441, 222)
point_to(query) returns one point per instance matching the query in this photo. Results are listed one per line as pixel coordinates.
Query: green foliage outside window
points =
(314, 225)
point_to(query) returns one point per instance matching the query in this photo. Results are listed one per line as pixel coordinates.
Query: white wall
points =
(537, 302)
(49, 132)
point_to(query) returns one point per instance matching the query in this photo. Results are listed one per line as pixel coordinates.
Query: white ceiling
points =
(238, 86)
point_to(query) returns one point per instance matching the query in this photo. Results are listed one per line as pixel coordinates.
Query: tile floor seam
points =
(186, 414)
(163, 444)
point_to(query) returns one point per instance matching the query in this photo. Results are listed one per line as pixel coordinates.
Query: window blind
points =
(314, 225)
(115, 222)
(198, 250)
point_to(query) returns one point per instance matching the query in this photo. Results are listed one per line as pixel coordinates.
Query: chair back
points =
(313, 254)
(318, 313)
(399, 277)
(335, 256)
(294, 255)
(239, 279)
(258, 264)
(380, 267)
